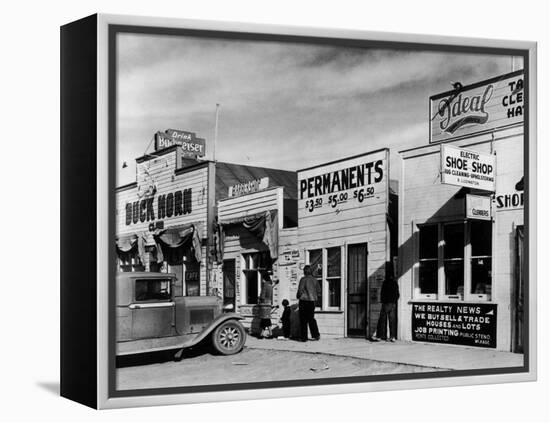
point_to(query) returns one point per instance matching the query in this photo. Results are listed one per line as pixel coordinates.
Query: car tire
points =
(229, 337)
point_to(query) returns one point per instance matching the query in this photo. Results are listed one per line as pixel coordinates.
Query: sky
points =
(282, 105)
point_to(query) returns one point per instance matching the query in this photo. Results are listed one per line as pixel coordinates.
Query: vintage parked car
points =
(150, 317)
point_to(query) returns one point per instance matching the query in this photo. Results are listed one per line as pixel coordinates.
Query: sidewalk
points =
(449, 357)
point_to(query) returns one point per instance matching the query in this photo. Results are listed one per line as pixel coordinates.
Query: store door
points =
(518, 292)
(229, 284)
(357, 290)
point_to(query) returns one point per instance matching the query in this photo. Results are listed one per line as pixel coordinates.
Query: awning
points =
(264, 226)
(519, 185)
(127, 247)
(125, 244)
(176, 242)
(170, 244)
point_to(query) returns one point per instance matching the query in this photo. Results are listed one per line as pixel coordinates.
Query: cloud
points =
(282, 104)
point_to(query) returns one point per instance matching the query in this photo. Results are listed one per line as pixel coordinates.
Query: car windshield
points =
(152, 289)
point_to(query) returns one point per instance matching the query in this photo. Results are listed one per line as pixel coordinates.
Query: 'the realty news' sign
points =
(473, 324)
(468, 168)
(477, 108)
(188, 141)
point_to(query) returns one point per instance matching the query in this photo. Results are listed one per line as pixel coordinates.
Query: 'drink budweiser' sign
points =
(477, 108)
(188, 141)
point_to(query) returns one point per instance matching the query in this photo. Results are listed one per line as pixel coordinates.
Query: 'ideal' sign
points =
(478, 108)
(468, 168)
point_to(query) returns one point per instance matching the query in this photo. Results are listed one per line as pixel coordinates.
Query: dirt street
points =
(251, 365)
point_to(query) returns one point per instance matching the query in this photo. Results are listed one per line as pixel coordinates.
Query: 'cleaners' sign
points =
(467, 168)
(478, 207)
(477, 108)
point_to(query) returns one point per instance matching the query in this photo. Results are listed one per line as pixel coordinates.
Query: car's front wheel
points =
(229, 337)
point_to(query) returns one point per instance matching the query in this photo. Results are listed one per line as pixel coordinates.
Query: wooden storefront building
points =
(346, 232)
(461, 220)
(167, 220)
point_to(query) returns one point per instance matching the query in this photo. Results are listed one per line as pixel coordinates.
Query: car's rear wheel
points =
(229, 337)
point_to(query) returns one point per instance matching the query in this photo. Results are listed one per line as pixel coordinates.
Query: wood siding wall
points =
(239, 240)
(257, 202)
(162, 171)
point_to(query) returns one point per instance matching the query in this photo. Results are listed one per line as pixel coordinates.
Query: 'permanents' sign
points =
(344, 185)
(471, 324)
(467, 168)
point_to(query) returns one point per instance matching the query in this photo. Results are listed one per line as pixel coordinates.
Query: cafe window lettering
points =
(254, 264)
(454, 261)
(187, 273)
(326, 264)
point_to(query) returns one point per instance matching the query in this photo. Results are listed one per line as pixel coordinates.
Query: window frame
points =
(247, 257)
(419, 294)
(441, 295)
(325, 278)
(134, 265)
(153, 300)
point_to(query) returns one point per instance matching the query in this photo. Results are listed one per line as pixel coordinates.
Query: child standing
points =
(285, 318)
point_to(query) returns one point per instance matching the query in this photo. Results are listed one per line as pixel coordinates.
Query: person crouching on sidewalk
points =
(307, 296)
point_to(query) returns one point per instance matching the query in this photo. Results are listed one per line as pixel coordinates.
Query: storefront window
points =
(254, 264)
(192, 279)
(130, 263)
(481, 261)
(465, 261)
(334, 276)
(428, 260)
(453, 238)
(187, 271)
(152, 289)
(327, 269)
(316, 263)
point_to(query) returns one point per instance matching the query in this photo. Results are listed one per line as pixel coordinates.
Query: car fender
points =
(211, 327)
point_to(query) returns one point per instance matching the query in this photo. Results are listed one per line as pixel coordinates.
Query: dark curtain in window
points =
(127, 247)
(174, 244)
(169, 245)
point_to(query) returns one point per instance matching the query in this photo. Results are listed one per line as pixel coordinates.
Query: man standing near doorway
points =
(388, 311)
(307, 296)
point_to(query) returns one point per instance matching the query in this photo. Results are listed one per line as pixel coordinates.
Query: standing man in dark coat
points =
(307, 296)
(388, 311)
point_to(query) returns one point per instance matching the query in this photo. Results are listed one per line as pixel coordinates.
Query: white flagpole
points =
(215, 133)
